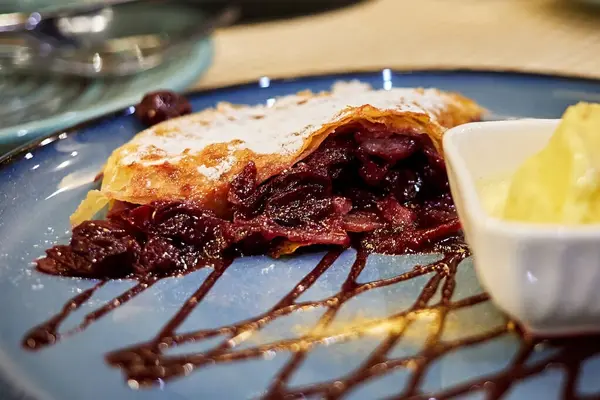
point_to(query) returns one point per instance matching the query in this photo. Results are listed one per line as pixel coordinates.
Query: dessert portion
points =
(535, 238)
(561, 183)
(353, 166)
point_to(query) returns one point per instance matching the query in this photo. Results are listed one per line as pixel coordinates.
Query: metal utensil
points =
(118, 37)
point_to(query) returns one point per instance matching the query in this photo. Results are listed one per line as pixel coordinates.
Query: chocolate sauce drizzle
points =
(145, 363)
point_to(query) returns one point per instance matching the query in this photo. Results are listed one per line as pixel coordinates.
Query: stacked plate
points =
(36, 102)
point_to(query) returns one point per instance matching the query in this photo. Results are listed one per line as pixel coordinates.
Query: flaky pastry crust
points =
(195, 157)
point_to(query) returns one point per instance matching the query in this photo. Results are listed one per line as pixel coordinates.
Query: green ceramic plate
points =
(35, 105)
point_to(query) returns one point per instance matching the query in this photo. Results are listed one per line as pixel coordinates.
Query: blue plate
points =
(40, 185)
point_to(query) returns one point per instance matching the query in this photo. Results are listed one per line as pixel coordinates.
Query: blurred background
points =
(552, 36)
(64, 61)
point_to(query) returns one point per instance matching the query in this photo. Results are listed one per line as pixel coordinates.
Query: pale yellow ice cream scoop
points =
(561, 183)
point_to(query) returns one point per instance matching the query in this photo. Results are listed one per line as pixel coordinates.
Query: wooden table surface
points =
(549, 36)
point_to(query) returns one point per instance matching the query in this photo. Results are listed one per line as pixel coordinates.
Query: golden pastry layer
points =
(195, 157)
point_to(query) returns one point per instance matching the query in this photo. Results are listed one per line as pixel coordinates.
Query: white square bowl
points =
(545, 276)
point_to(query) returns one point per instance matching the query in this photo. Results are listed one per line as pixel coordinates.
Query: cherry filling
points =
(160, 106)
(372, 189)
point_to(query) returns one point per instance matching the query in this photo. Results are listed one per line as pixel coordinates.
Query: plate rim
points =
(10, 157)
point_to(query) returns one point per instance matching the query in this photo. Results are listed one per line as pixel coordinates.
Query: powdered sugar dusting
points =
(280, 128)
(218, 170)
